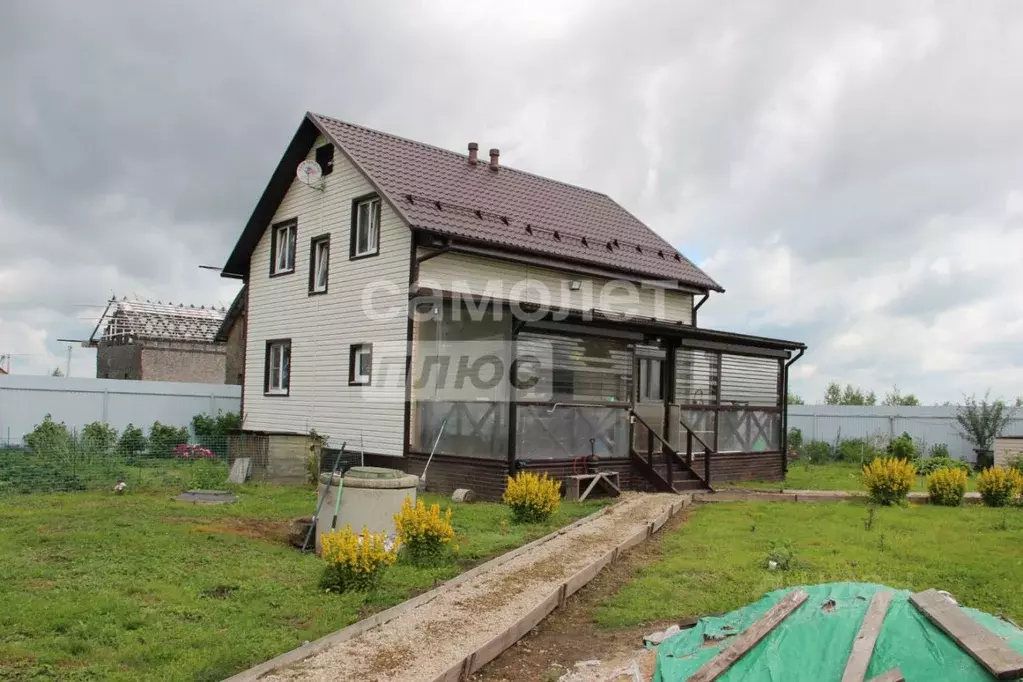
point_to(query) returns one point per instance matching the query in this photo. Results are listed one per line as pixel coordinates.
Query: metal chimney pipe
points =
(473, 149)
(494, 153)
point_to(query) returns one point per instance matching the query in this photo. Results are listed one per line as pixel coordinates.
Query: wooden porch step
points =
(691, 484)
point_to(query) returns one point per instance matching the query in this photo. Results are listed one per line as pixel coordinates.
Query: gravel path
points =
(426, 641)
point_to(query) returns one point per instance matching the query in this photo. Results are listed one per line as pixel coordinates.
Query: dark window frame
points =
(325, 158)
(313, 243)
(643, 387)
(366, 198)
(353, 351)
(266, 369)
(291, 223)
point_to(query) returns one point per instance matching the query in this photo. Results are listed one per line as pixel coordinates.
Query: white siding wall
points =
(468, 274)
(322, 327)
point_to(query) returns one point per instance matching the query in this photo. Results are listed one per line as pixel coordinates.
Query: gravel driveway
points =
(426, 641)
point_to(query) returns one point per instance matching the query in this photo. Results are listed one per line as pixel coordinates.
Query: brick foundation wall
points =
(736, 467)
(485, 477)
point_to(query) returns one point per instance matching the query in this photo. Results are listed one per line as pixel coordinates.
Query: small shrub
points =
(902, 447)
(207, 474)
(781, 555)
(423, 532)
(999, 486)
(132, 442)
(939, 450)
(947, 487)
(354, 562)
(889, 479)
(163, 439)
(795, 439)
(817, 451)
(98, 439)
(856, 450)
(532, 498)
(928, 466)
(50, 438)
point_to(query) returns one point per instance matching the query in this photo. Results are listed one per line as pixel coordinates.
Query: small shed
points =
(1008, 449)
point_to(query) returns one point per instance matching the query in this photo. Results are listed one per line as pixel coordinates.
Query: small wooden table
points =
(607, 479)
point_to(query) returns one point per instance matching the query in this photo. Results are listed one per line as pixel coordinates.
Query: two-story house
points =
(411, 301)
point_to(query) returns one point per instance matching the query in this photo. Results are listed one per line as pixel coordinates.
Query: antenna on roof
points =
(309, 173)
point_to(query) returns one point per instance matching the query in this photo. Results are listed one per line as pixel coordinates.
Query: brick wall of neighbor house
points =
(322, 327)
(118, 361)
(201, 363)
(234, 359)
(469, 274)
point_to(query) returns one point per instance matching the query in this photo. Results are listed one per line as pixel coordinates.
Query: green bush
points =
(903, 447)
(163, 439)
(796, 439)
(939, 450)
(98, 439)
(947, 486)
(999, 486)
(132, 442)
(928, 466)
(856, 450)
(212, 432)
(51, 439)
(207, 474)
(889, 480)
(817, 451)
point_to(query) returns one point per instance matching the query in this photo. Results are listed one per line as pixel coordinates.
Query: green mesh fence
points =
(67, 460)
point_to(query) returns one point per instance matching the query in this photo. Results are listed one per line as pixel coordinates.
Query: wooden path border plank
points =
(984, 646)
(866, 638)
(738, 648)
(893, 675)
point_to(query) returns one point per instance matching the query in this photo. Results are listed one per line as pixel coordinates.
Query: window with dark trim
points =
(360, 364)
(282, 247)
(365, 227)
(319, 264)
(325, 159)
(650, 387)
(277, 367)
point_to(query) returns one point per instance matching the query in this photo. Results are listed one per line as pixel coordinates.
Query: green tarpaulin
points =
(814, 642)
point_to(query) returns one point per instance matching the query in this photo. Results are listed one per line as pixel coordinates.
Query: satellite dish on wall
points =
(309, 172)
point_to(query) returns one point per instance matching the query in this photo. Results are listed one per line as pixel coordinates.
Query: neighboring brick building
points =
(146, 341)
(232, 333)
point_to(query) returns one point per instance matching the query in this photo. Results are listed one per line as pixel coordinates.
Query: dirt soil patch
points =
(275, 532)
(569, 635)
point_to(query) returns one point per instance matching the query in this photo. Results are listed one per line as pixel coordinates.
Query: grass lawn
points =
(829, 476)
(98, 586)
(715, 562)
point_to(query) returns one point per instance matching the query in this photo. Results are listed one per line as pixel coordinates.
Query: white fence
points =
(25, 400)
(929, 425)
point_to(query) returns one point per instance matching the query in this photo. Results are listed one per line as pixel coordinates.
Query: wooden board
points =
(738, 648)
(893, 675)
(866, 638)
(984, 646)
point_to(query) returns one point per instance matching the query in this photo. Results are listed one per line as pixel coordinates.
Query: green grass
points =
(830, 476)
(715, 562)
(98, 586)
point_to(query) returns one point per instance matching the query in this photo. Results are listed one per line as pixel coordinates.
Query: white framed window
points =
(360, 364)
(319, 264)
(365, 227)
(282, 248)
(278, 367)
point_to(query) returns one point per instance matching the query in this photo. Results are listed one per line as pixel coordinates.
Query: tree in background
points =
(895, 399)
(981, 421)
(836, 395)
(793, 399)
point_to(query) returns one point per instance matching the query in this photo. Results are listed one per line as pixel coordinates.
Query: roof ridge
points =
(450, 152)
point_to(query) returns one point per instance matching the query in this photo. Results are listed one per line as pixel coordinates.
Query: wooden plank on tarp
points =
(738, 648)
(866, 638)
(984, 646)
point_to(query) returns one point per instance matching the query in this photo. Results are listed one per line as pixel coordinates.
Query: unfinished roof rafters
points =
(125, 319)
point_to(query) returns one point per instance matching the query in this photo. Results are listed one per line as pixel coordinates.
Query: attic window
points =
(282, 247)
(325, 159)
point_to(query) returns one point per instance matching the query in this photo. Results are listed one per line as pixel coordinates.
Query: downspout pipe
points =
(785, 412)
(696, 308)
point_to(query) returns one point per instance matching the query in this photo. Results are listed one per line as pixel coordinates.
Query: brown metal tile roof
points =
(440, 191)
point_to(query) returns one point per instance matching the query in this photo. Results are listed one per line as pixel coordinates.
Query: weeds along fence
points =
(927, 425)
(85, 460)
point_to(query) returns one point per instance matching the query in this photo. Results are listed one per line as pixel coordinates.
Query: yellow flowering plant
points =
(532, 498)
(889, 479)
(947, 486)
(423, 531)
(355, 561)
(999, 486)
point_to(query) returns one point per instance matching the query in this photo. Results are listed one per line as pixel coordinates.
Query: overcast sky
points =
(851, 173)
